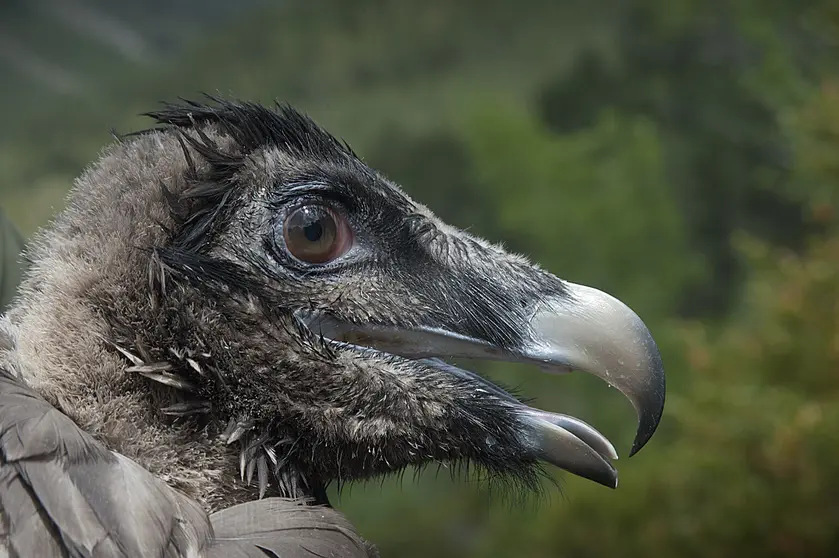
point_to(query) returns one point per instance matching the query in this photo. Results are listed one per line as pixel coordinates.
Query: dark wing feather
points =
(64, 494)
(282, 528)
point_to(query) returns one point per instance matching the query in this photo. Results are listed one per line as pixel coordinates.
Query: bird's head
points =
(300, 305)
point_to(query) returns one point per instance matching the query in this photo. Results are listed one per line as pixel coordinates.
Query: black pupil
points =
(313, 231)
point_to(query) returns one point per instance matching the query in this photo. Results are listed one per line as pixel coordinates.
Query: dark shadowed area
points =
(682, 156)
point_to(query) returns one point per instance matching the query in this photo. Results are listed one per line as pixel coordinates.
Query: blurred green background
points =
(683, 155)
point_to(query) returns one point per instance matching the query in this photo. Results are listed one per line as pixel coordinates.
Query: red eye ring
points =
(316, 234)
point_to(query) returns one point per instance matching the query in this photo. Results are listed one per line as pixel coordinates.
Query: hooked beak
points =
(584, 329)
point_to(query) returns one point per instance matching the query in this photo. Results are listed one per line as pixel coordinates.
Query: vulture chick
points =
(234, 311)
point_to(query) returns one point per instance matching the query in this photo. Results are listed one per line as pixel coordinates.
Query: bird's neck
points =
(73, 369)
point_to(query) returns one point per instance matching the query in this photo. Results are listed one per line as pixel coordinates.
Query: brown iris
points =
(316, 234)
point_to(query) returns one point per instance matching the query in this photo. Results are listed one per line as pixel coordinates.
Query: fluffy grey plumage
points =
(64, 494)
(176, 350)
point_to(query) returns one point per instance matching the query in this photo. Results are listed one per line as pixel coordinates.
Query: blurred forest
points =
(682, 155)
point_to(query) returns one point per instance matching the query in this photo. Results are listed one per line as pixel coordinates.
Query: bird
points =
(234, 312)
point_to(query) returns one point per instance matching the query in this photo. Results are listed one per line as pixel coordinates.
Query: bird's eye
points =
(316, 234)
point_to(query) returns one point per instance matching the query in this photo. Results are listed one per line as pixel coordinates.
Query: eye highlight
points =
(316, 234)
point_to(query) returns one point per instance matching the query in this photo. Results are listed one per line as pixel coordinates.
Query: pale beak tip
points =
(594, 332)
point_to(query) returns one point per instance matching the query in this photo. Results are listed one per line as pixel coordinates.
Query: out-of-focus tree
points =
(751, 470)
(711, 75)
(435, 167)
(612, 219)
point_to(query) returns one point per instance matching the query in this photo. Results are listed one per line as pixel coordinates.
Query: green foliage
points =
(356, 66)
(612, 220)
(752, 469)
(711, 76)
